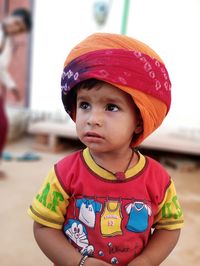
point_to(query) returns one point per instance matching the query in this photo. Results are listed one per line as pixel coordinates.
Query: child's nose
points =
(95, 118)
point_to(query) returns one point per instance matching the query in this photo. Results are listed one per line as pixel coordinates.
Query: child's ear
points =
(139, 127)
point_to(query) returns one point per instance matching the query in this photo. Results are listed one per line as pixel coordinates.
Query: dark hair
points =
(69, 101)
(88, 84)
(25, 15)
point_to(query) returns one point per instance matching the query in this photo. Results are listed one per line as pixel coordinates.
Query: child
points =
(108, 204)
(16, 23)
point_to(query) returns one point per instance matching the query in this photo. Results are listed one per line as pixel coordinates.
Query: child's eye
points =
(84, 105)
(112, 107)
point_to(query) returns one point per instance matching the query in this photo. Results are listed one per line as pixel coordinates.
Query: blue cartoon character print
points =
(77, 233)
(139, 213)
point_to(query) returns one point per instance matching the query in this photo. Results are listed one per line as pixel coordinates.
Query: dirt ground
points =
(22, 180)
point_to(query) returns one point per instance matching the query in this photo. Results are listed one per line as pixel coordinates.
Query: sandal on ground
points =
(6, 156)
(28, 156)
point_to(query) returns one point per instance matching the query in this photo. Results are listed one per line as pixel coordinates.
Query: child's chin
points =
(96, 148)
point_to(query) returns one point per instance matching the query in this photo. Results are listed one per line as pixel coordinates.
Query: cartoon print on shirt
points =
(88, 209)
(77, 232)
(139, 213)
(111, 219)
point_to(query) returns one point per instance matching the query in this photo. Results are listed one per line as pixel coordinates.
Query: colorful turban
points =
(129, 65)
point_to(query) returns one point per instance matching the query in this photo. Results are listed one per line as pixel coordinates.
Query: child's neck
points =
(117, 164)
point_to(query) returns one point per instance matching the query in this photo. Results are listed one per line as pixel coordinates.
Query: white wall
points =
(170, 27)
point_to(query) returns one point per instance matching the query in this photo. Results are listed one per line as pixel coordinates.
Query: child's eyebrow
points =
(112, 99)
(115, 99)
(82, 98)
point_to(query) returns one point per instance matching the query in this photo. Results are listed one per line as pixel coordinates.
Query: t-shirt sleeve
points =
(50, 204)
(169, 215)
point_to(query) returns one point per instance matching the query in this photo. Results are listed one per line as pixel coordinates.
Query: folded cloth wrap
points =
(129, 65)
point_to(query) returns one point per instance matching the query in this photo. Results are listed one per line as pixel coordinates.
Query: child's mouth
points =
(93, 134)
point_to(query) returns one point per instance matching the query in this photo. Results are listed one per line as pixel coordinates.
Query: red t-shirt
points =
(104, 217)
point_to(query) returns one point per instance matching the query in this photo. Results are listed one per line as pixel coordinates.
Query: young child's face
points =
(14, 25)
(106, 118)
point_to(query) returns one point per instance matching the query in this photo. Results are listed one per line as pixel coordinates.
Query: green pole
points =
(125, 16)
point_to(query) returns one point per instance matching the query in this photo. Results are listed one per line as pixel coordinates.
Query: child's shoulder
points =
(70, 158)
(155, 165)
(67, 168)
(157, 177)
(153, 162)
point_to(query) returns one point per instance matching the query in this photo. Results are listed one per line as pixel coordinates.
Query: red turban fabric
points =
(129, 65)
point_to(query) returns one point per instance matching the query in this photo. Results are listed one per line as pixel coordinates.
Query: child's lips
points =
(93, 136)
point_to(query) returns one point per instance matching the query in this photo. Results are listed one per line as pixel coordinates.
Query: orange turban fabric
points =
(129, 65)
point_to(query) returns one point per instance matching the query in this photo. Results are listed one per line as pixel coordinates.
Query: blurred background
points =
(40, 132)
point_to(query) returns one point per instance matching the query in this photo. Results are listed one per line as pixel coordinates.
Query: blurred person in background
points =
(16, 23)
